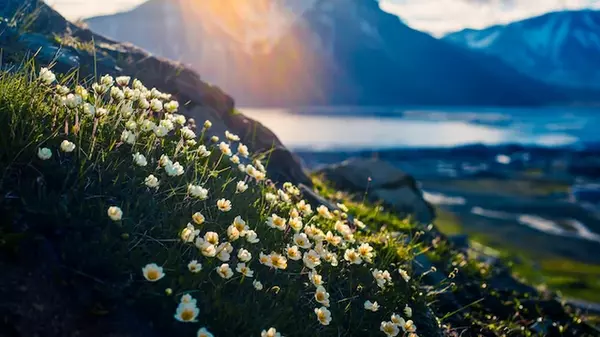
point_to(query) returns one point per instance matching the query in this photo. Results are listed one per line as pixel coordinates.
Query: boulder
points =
(381, 181)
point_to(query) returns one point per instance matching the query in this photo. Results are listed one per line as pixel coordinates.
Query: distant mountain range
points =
(329, 52)
(559, 48)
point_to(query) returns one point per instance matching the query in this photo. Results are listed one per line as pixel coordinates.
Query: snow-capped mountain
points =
(560, 47)
(326, 52)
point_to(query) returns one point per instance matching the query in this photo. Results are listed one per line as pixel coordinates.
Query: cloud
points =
(442, 16)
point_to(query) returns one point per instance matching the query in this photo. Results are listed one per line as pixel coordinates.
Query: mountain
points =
(558, 48)
(342, 52)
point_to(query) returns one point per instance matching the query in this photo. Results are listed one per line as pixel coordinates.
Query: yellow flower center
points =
(320, 297)
(321, 316)
(187, 315)
(152, 274)
(388, 328)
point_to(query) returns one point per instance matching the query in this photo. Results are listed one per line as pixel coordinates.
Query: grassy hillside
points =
(142, 209)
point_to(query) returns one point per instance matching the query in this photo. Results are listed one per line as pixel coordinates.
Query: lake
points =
(351, 128)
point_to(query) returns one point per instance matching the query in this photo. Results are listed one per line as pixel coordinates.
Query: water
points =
(380, 127)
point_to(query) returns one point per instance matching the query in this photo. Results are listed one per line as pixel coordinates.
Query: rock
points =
(381, 182)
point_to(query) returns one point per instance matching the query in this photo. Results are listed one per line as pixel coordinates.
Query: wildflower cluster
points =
(231, 227)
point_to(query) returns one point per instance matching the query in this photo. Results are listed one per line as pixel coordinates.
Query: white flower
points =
(123, 80)
(187, 133)
(224, 271)
(224, 205)
(409, 326)
(283, 196)
(207, 124)
(161, 131)
(323, 211)
(311, 259)
(232, 137)
(137, 84)
(131, 125)
(73, 101)
(333, 240)
(322, 296)
(187, 312)
(242, 168)
(293, 253)
(128, 137)
(240, 224)
(151, 181)
(171, 106)
(233, 233)
(99, 88)
(265, 259)
(174, 169)
(202, 151)
(82, 92)
(188, 299)
(205, 248)
(352, 256)
(315, 278)
(269, 197)
(257, 285)
(115, 213)
(212, 238)
(389, 329)
(204, 333)
(67, 146)
(225, 247)
(302, 240)
(244, 270)
(243, 150)
(241, 187)
(198, 191)
(373, 306)
(44, 153)
(224, 147)
(270, 333)
(143, 104)
(101, 112)
(194, 266)
(89, 109)
(381, 277)
(278, 261)
(408, 311)
(296, 224)
(323, 315)
(251, 236)
(152, 272)
(404, 274)
(156, 105)
(359, 224)
(107, 80)
(235, 159)
(189, 233)
(179, 119)
(47, 76)
(398, 320)
(244, 255)
(275, 221)
(139, 159)
(198, 218)
(304, 207)
(164, 160)
(366, 252)
(117, 94)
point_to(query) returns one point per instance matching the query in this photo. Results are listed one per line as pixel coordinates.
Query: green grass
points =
(71, 193)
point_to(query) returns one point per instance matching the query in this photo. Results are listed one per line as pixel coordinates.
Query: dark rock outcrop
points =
(380, 181)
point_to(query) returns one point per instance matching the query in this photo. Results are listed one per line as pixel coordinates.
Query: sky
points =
(436, 17)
